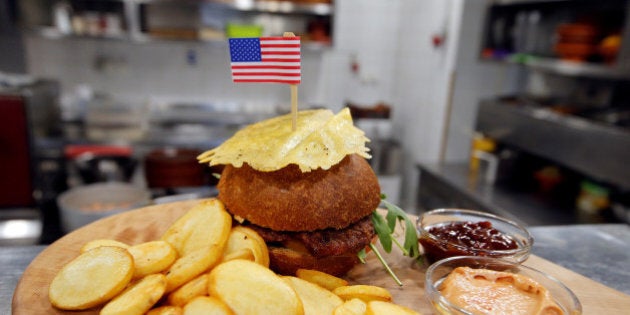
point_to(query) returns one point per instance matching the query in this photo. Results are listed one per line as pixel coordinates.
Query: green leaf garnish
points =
(385, 227)
(410, 246)
(383, 231)
(382, 260)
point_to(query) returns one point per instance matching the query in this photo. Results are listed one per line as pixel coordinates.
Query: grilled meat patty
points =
(327, 242)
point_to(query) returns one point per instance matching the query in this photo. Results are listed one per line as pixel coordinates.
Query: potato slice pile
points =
(203, 265)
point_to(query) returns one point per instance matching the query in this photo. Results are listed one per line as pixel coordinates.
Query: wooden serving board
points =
(145, 224)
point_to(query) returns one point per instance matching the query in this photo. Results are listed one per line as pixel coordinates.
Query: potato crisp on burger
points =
(308, 192)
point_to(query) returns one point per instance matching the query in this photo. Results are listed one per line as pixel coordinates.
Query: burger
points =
(316, 220)
(309, 191)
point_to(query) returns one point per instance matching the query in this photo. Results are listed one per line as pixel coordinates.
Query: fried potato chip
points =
(190, 290)
(366, 293)
(206, 305)
(138, 298)
(206, 224)
(351, 307)
(321, 140)
(243, 238)
(315, 299)
(249, 288)
(152, 257)
(241, 253)
(380, 307)
(190, 266)
(92, 278)
(102, 242)
(322, 279)
(166, 310)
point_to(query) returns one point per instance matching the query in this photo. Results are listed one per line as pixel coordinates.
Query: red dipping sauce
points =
(465, 239)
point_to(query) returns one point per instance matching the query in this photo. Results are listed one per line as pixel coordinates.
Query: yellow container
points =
(233, 30)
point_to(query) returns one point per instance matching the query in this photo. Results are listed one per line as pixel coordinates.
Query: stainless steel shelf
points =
(452, 185)
(597, 150)
(567, 68)
(577, 69)
(519, 2)
(271, 6)
(132, 14)
(53, 33)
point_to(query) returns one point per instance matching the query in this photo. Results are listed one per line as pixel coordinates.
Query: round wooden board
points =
(149, 223)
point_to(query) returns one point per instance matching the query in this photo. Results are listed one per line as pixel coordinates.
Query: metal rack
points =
(619, 70)
(594, 149)
(132, 15)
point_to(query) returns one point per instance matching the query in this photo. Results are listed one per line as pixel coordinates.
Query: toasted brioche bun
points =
(290, 200)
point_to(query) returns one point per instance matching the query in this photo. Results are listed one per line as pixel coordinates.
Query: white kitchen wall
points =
(474, 80)
(438, 88)
(158, 70)
(421, 84)
(365, 30)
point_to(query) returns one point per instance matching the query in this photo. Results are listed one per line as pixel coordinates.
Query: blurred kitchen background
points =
(517, 107)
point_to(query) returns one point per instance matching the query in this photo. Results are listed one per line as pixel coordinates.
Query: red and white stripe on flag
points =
(266, 59)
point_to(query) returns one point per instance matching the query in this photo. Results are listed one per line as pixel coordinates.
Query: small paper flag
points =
(266, 59)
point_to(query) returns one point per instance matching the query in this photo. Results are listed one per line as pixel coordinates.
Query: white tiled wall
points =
(140, 71)
(474, 80)
(135, 71)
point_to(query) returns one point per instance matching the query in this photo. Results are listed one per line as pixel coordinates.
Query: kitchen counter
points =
(599, 251)
(453, 186)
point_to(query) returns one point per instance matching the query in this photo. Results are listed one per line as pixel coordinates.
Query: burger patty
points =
(327, 242)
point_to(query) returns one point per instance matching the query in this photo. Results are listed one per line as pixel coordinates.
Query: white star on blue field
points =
(245, 49)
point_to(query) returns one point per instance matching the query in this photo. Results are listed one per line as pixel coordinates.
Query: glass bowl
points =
(436, 247)
(438, 271)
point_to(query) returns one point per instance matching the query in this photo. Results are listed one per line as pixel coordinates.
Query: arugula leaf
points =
(385, 227)
(383, 231)
(362, 254)
(410, 245)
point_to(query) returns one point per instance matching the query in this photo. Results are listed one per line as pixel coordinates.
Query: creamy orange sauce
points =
(483, 291)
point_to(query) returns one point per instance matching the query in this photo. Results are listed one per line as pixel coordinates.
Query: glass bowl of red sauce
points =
(447, 233)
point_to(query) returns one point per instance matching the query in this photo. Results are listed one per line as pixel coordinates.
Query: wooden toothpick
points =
(294, 95)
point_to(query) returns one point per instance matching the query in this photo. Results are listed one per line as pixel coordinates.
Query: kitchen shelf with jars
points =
(561, 140)
(570, 38)
(210, 21)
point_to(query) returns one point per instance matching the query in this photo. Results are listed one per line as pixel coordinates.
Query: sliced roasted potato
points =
(206, 224)
(249, 288)
(380, 307)
(92, 278)
(243, 253)
(138, 298)
(166, 310)
(190, 266)
(322, 279)
(243, 238)
(190, 290)
(102, 242)
(315, 299)
(152, 257)
(366, 293)
(206, 305)
(351, 307)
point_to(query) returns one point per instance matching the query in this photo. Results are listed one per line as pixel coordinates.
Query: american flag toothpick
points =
(266, 59)
(273, 59)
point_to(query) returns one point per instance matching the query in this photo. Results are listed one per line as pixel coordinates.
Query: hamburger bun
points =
(290, 200)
